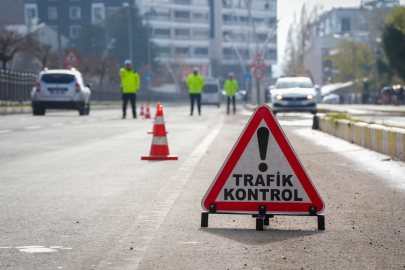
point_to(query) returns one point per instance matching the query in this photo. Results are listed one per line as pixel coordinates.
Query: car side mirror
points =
(88, 85)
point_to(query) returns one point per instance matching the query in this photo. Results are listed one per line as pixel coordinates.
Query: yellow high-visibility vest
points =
(195, 83)
(129, 81)
(231, 87)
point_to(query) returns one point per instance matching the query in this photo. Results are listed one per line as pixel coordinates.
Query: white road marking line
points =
(76, 122)
(34, 127)
(149, 223)
(5, 131)
(92, 120)
(57, 124)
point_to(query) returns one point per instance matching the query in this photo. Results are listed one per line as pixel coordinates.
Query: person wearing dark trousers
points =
(195, 83)
(130, 86)
(193, 98)
(231, 87)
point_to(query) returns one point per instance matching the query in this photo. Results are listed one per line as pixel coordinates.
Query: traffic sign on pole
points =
(258, 62)
(71, 60)
(258, 73)
(263, 172)
(148, 77)
(248, 77)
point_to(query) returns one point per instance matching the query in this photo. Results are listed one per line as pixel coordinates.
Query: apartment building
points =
(362, 24)
(182, 31)
(73, 15)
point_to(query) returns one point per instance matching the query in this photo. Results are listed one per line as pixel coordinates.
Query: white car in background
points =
(60, 89)
(292, 94)
(211, 92)
(331, 99)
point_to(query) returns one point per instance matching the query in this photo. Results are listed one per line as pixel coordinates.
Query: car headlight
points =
(279, 97)
(310, 97)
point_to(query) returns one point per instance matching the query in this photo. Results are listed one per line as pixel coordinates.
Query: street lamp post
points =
(129, 6)
(60, 64)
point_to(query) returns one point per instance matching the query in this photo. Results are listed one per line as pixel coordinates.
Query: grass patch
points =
(335, 117)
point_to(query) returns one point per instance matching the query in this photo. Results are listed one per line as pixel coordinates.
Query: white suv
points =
(60, 89)
(293, 94)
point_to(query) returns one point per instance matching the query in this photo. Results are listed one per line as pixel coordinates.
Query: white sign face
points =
(277, 184)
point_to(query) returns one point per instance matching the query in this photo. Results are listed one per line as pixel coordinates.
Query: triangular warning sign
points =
(258, 62)
(71, 59)
(263, 169)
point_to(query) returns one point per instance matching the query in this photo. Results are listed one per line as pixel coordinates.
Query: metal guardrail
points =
(16, 86)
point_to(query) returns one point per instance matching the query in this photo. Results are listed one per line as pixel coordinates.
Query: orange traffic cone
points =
(157, 109)
(160, 148)
(147, 114)
(142, 113)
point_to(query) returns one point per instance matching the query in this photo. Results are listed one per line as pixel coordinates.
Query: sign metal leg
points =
(204, 219)
(321, 222)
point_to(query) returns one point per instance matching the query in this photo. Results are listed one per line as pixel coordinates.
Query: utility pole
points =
(129, 6)
(60, 64)
(149, 53)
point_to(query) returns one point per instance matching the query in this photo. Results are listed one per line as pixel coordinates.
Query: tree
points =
(355, 61)
(91, 39)
(394, 41)
(300, 39)
(119, 31)
(42, 52)
(11, 42)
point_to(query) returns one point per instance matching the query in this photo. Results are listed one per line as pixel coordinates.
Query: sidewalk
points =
(360, 108)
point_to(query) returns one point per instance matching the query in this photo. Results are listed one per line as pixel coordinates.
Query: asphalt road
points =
(74, 194)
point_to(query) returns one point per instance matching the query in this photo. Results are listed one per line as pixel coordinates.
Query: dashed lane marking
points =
(34, 127)
(151, 219)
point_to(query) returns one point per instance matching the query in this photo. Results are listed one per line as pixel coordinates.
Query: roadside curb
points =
(386, 140)
(25, 110)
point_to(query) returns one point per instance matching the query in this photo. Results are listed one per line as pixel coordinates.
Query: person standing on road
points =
(195, 83)
(231, 87)
(130, 85)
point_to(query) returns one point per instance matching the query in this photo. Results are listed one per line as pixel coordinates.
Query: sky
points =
(286, 9)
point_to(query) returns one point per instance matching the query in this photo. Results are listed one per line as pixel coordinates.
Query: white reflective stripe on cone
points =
(157, 140)
(159, 120)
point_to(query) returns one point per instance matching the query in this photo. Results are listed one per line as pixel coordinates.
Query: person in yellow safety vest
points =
(231, 87)
(130, 85)
(195, 83)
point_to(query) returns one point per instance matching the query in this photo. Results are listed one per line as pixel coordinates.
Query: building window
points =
(345, 24)
(97, 13)
(264, 5)
(182, 16)
(200, 2)
(182, 2)
(271, 54)
(31, 12)
(200, 17)
(162, 14)
(201, 52)
(74, 31)
(75, 13)
(228, 53)
(165, 50)
(182, 33)
(162, 33)
(182, 51)
(200, 33)
(52, 13)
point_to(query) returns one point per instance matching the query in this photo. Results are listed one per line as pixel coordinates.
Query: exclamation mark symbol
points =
(263, 139)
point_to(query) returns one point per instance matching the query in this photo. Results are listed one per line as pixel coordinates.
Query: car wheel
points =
(82, 110)
(38, 111)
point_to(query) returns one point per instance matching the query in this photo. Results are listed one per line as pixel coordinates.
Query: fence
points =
(16, 87)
